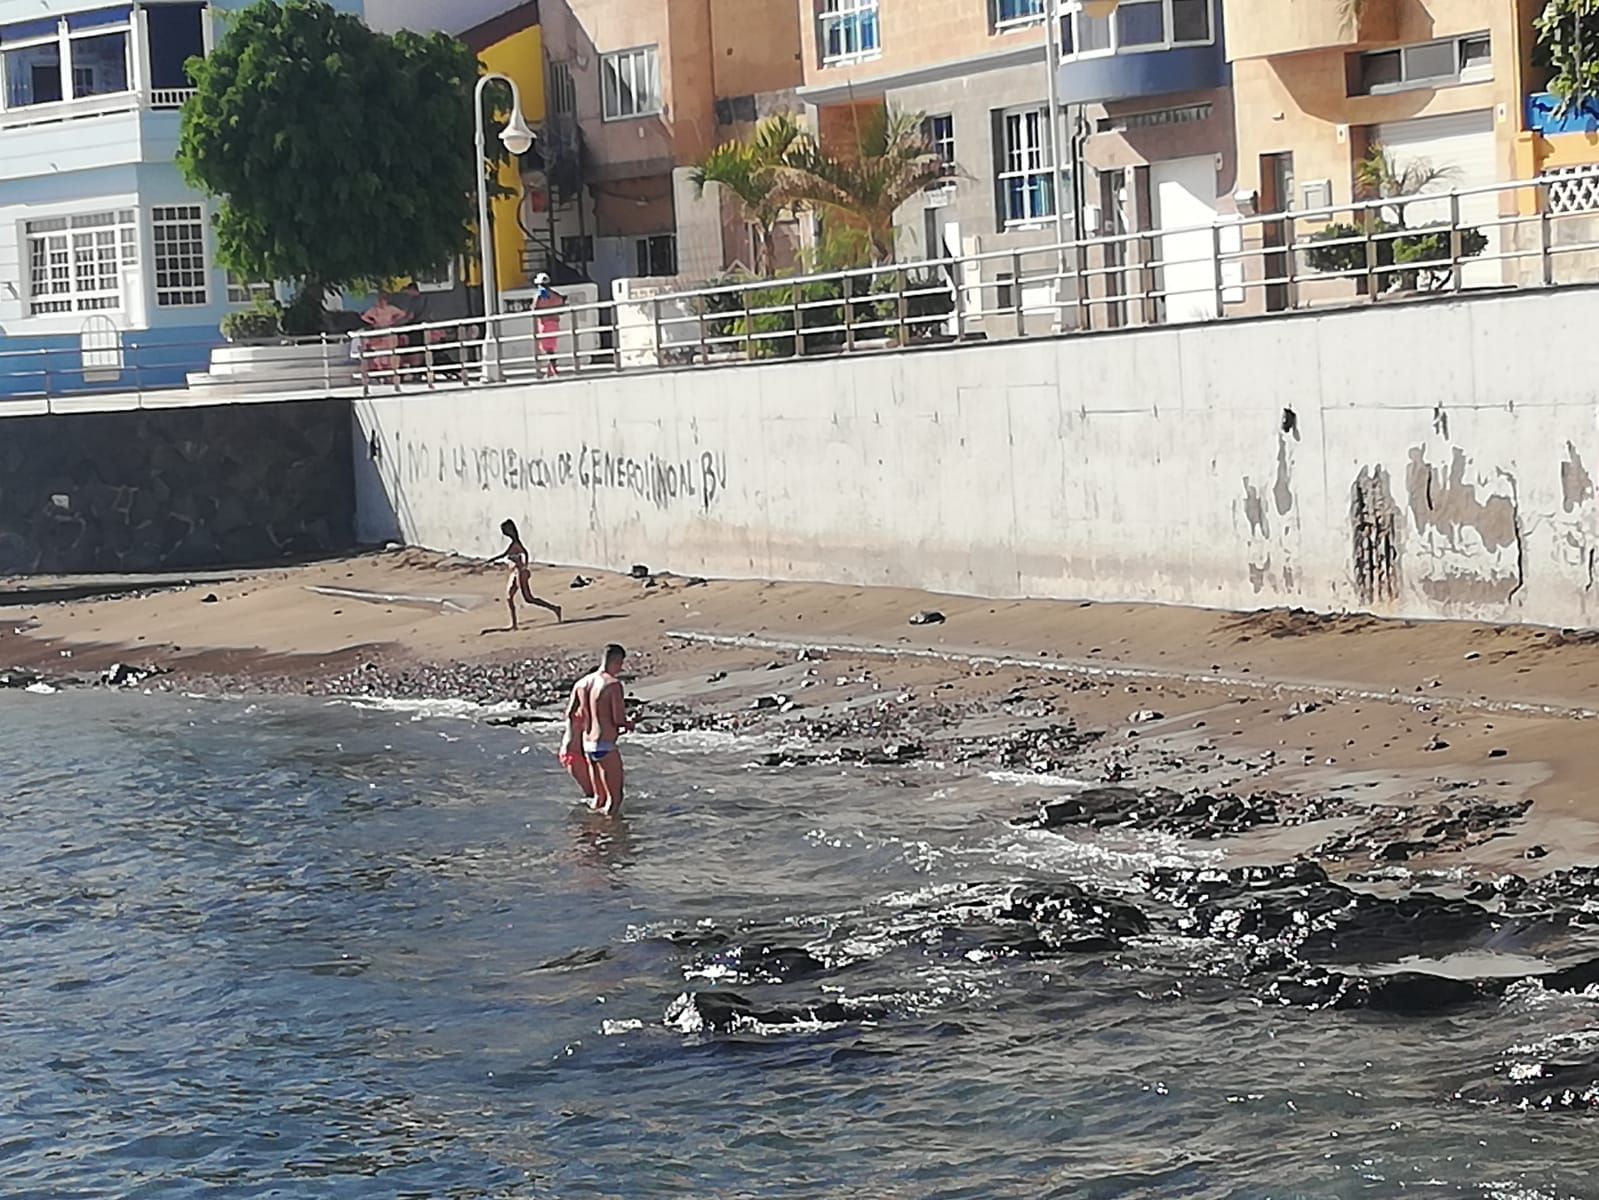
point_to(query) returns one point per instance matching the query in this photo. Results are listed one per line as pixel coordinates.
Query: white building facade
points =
(108, 277)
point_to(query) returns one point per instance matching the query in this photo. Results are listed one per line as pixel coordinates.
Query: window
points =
(1426, 65)
(439, 279)
(630, 84)
(657, 255)
(179, 255)
(1009, 13)
(76, 264)
(577, 249)
(1140, 23)
(244, 291)
(177, 34)
(847, 31)
(75, 57)
(1137, 25)
(562, 90)
(100, 64)
(940, 134)
(33, 74)
(1026, 169)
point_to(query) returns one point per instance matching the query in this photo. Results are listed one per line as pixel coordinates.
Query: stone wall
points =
(147, 490)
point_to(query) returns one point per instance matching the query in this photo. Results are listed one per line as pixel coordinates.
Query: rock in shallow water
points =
(719, 1011)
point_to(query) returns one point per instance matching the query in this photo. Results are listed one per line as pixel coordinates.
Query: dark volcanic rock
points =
(1069, 917)
(1405, 993)
(728, 1012)
(766, 963)
(1200, 815)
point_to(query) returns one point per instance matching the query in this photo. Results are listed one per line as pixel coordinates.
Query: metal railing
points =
(103, 366)
(1528, 234)
(1470, 240)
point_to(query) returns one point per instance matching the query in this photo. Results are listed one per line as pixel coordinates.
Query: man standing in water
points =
(598, 708)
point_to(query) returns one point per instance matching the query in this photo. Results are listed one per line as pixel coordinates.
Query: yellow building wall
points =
(519, 57)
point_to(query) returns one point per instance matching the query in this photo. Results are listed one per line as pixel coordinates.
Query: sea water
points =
(295, 948)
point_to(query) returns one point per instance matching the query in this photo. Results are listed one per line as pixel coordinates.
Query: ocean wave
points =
(1037, 779)
(422, 709)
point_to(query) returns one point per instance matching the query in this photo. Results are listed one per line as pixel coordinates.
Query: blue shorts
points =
(598, 750)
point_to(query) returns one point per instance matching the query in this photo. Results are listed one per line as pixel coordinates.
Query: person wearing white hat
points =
(545, 297)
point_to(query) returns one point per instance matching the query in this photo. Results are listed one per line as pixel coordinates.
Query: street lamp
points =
(516, 137)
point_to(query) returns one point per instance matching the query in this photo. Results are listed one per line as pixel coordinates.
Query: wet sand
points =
(1371, 738)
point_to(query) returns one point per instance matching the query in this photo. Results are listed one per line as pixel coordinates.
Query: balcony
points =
(1267, 28)
(1131, 48)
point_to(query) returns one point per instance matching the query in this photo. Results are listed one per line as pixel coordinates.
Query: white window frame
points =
(1027, 158)
(1481, 72)
(643, 64)
(63, 38)
(244, 292)
(1072, 16)
(845, 15)
(641, 251)
(439, 281)
(188, 285)
(105, 242)
(1025, 20)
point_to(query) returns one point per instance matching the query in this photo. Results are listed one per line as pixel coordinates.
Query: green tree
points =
(891, 163)
(749, 170)
(1568, 46)
(337, 154)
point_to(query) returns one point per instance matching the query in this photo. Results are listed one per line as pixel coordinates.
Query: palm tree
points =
(893, 162)
(1380, 176)
(749, 171)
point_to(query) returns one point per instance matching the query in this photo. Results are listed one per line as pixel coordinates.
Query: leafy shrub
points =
(261, 322)
(929, 300)
(1427, 244)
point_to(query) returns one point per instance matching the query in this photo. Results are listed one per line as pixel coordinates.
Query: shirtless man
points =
(597, 708)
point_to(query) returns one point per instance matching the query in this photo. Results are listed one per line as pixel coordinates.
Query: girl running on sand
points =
(516, 555)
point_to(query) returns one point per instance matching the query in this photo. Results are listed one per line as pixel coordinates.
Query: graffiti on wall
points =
(664, 483)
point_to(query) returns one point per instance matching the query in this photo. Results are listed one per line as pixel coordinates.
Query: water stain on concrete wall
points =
(1444, 507)
(1374, 520)
(1282, 492)
(1442, 500)
(1255, 509)
(1576, 485)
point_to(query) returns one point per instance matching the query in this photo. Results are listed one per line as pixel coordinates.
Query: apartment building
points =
(638, 93)
(1143, 139)
(106, 256)
(978, 71)
(1435, 83)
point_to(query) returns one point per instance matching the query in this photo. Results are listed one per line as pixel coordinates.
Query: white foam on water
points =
(1045, 850)
(41, 689)
(1527, 996)
(696, 741)
(609, 1028)
(1034, 779)
(425, 709)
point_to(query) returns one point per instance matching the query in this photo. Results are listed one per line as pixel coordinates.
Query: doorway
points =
(1183, 193)
(1277, 196)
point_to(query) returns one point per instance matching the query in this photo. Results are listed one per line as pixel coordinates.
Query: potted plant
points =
(260, 324)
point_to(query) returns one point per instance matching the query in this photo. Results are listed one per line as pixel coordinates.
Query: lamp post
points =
(517, 137)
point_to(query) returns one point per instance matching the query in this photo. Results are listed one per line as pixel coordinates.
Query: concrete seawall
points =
(1426, 460)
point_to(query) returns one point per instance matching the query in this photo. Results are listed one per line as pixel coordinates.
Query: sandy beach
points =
(1370, 739)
